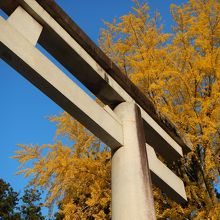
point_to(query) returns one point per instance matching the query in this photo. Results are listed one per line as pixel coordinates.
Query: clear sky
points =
(24, 109)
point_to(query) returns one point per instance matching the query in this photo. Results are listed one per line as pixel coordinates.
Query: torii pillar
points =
(132, 197)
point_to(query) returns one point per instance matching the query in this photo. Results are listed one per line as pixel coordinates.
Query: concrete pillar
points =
(132, 197)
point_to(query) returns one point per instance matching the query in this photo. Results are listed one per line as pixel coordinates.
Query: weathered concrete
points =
(164, 178)
(80, 63)
(25, 24)
(20, 53)
(153, 139)
(132, 197)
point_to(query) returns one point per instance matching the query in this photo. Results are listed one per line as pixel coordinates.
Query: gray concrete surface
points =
(132, 197)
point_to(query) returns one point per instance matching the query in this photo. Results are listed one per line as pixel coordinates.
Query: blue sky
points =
(24, 109)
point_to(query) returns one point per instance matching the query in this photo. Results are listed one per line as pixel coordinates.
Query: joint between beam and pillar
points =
(132, 197)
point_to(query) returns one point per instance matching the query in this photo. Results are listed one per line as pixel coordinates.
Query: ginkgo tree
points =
(77, 177)
(180, 73)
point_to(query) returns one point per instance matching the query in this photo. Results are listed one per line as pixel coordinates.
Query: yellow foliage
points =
(77, 177)
(181, 77)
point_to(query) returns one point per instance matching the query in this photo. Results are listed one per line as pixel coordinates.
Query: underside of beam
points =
(164, 178)
(76, 57)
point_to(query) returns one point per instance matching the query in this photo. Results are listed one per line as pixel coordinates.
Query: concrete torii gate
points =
(128, 123)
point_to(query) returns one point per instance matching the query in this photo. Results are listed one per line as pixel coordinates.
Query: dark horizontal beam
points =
(98, 55)
(96, 85)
